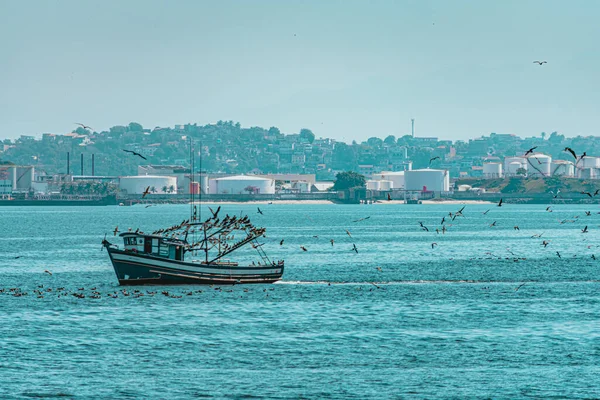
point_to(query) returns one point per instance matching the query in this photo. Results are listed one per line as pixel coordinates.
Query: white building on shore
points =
(158, 184)
(241, 184)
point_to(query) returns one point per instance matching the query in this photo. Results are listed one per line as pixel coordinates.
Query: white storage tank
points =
(158, 184)
(492, 170)
(513, 167)
(464, 188)
(510, 160)
(22, 178)
(587, 173)
(386, 185)
(436, 180)
(242, 184)
(563, 168)
(539, 165)
(589, 162)
(397, 178)
(373, 185)
(204, 184)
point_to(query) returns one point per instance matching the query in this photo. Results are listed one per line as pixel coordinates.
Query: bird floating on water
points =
(520, 286)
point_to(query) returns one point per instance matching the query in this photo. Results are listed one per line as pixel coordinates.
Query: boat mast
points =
(200, 204)
(191, 188)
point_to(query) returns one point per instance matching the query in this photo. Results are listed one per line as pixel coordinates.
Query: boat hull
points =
(141, 269)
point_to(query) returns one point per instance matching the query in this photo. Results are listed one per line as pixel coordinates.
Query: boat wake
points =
(421, 282)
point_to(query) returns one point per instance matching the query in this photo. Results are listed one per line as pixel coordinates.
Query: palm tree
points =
(153, 189)
(164, 189)
(171, 189)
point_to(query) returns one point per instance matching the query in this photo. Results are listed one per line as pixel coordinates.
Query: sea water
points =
(487, 312)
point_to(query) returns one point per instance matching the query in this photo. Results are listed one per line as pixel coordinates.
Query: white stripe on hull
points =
(176, 266)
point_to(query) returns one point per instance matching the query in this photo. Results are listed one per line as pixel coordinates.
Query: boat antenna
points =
(191, 188)
(200, 204)
(200, 183)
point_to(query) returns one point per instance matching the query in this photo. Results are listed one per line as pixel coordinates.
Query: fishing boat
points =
(193, 251)
(161, 257)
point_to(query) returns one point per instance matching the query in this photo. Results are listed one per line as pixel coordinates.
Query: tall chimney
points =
(81, 164)
(68, 163)
(93, 164)
(412, 127)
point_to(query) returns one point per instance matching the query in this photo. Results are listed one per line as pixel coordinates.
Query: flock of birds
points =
(545, 243)
(41, 292)
(219, 233)
(230, 223)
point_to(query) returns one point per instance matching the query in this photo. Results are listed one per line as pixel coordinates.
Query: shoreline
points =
(265, 202)
(457, 202)
(378, 202)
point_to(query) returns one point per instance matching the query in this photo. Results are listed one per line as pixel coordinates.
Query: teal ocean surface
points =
(488, 312)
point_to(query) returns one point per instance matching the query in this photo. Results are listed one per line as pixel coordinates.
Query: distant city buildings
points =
(296, 163)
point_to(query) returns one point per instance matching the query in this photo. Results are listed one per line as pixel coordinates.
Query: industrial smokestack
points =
(412, 127)
(81, 164)
(68, 163)
(93, 164)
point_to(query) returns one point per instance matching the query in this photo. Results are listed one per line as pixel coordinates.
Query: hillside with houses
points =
(226, 147)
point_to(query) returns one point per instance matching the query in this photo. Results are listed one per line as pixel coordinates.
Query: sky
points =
(347, 70)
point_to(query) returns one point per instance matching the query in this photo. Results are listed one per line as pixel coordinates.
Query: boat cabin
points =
(153, 245)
